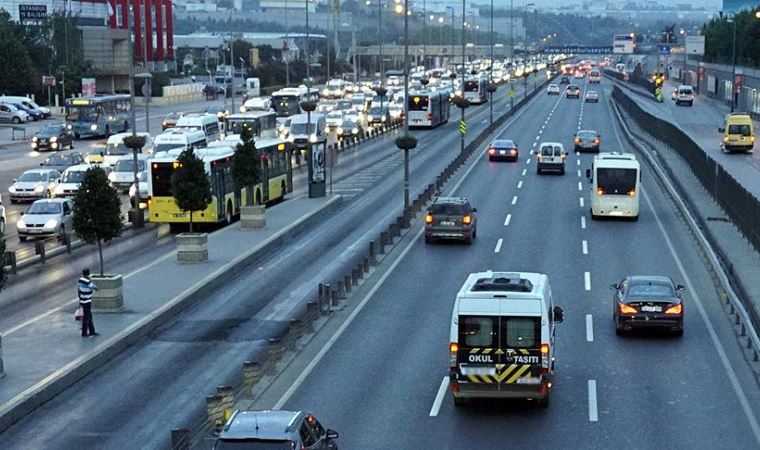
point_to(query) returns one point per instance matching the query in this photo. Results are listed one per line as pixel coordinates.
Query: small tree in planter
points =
(97, 211)
(246, 171)
(190, 185)
(97, 219)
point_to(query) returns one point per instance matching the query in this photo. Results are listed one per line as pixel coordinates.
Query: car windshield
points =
(300, 128)
(32, 177)
(166, 147)
(252, 444)
(448, 209)
(50, 130)
(587, 134)
(504, 144)
(57, 160)
(44, 208)
(744, 130)
(73, 176)
(116, 149)
(127, 165)
(650, 290)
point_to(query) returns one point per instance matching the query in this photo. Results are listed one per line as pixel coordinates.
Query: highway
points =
(176, 359)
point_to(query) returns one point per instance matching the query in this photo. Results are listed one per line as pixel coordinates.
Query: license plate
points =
(447, 223)
(478, 370)
(651, 308)
(528, 380)
(35, 231)
(502, 152)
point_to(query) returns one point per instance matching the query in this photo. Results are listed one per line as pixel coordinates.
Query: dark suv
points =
(451, 218)
(274, 430)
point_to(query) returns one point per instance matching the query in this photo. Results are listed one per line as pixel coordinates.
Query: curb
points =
(28, 400)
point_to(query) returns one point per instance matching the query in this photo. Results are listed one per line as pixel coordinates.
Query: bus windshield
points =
(81, 113)
(419, 103)
(161, 179)
(616, 181)
(285, 105)
(471, 85)
(236, 126)
(117, 149)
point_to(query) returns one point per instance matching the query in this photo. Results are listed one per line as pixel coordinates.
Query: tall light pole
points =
(287, 45)
(683, 73)
(452, 36)
(511, 30)
(308, 41)
(734, 93)
(424, 35)
(490, 76)
(406, 141)
(464, 60)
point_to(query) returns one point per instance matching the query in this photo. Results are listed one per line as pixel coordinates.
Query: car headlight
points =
(291, 139)
(370, 118)
(54, 145)
(354, 130)
(68, 126)
(52, 223)
(34, 145)
(54, 139)
(34, 139)
(313, 138)
(20, 224)
(340, 130)
(12, 189)
(39, 188)
(139, 175)
(94, 127)
(382, 119)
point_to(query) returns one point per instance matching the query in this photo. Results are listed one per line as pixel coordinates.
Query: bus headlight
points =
(340, 131)
(242, 109)
(313, 138)
(94, 127)
(354, 130)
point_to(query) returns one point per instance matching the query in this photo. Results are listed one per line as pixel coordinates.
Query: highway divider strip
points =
(255, 373)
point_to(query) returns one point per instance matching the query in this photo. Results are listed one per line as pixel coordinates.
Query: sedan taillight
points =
(467, 219)
(675, 310)
(428, 218)
(627, 309)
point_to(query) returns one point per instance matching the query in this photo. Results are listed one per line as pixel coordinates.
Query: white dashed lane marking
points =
(581, 201)
(587, 281)
(507, 220)
(498, 245)
(514, 199)
(589, 328)
(585, 247)
(583, 222)
(593, 414)
(519, 184)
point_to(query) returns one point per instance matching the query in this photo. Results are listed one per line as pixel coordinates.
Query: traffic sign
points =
(48, 80)
(463, 127)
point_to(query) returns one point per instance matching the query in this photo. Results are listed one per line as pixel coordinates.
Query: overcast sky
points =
(710, 4)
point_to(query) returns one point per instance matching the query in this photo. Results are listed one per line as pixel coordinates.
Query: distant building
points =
(734, 6)
(29, 12)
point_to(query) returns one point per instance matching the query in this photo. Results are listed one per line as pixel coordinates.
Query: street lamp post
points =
(511, 30)
(734, 94)
(464, 60)
(406, 141)
(685, 68)
(308, 41)
(452, 36)
(490, 76)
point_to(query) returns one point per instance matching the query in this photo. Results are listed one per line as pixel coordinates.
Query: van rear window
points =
(447, 209)
(478, 331)
(739, 129)
(522, 332)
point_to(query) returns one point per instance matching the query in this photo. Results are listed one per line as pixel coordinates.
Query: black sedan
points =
(63, 162)
(53, 137)
(647, 302)
(504, 149)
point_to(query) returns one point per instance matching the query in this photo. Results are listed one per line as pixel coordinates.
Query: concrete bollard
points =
(383, 242)
(67, 241)
(10, 259)
(2, 367)
(274, 354)
(354, 277)
(308, 318)
(228, 401)
(347, 283)
(372, 256)
(251, 376)
(365, 264)
(252, 217)
(333, 298)
(180, 439)
(214, 412)
(341, 290)
(295, 330)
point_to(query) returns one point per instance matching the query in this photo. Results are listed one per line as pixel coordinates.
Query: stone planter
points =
(192, 248)
(109, 296)
(252, 217)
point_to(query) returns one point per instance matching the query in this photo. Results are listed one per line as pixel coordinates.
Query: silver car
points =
(12, 114)
(46, 217)
(34, 184)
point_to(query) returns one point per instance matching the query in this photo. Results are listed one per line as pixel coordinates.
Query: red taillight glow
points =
(627, 309)
(676, 309)
(428, 218)
(632, 193)
(600, 192)
(544, 349)
(430, 117)
(467, 219)
(596, 141)
(491, 151)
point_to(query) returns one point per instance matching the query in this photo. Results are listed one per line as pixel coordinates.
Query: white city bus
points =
(616, 184)
(428, 109)
(475, 89)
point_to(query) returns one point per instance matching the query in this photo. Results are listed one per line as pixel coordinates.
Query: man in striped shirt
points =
(85, 288)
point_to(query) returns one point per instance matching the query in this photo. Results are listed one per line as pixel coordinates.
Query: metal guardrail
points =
(14, 129)
(744, 312)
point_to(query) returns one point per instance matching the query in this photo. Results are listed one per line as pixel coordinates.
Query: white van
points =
(178, 138)
(28, 102)
(502, 337)
(116, 149)
(317, 133)
(208, 123)
(71, 179)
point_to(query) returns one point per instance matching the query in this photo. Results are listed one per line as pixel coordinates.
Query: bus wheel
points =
(228, 213)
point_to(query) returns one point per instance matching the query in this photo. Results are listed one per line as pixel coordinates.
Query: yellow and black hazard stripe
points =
(505, 373)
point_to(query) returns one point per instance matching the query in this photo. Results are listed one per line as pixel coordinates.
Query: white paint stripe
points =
(507, 220)
(580, 186)
(584, 244)
(587, 281)
(519, 184)
(514, 199)
(577, 162)
(527, 161)
(498, 245)
(581, 202)
(589, 328)
(526, 170)
(583, 222)
(579, 172)
(439, 397)
(593, 414)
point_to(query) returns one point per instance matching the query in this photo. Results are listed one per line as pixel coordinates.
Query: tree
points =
(190, 185)
(246, 164)
(97, 211)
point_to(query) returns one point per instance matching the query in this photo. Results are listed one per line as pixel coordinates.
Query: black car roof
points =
(646, 279)
(262, 425)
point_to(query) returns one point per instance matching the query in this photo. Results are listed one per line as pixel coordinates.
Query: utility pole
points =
(308, 41)
(511, 30)
(462, 86)
(490, 81)
(287, 46)
(424, 35)
(232, 66)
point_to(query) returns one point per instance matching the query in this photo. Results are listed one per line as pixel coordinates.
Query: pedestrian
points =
(85, 288)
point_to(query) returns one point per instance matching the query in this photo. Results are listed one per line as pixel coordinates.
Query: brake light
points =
(627, 309)
(544, 358)
(596, 141)
(632, 193)
(491, 151)
(677, 309)
(430, 117)
(600, 192)
(453, 350)
(544, 349)
(577, 140)
(513, 152)
(467, 219)
(428, 218)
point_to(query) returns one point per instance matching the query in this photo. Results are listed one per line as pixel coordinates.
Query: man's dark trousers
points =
(88, 327)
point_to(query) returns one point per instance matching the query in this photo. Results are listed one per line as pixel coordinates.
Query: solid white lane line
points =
(498, 245)
(580, 186)
(519, 184)
(506, 221)
(589, 328)
(585, 247)
(593, 414)
(583, 222)
(439, 397)
(526, 170)
(587, 281)
(514, 199)
(581, 202)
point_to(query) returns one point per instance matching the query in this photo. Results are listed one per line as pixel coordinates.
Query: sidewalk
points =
(701, 122)
(46, 355)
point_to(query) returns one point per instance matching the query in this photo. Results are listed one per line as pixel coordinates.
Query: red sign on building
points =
(151, 23)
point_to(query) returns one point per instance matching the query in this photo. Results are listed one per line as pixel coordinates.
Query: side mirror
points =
(559, 314)
(680, 287)
(14, 180)
(614, 287)
(474, 209)
(588, 174)
(721, 130)
(331, 434)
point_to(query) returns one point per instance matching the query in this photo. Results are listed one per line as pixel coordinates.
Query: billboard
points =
(622, 43)
(88, 87)
(695, 45)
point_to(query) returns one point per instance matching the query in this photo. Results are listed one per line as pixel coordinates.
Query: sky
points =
(711, 4)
